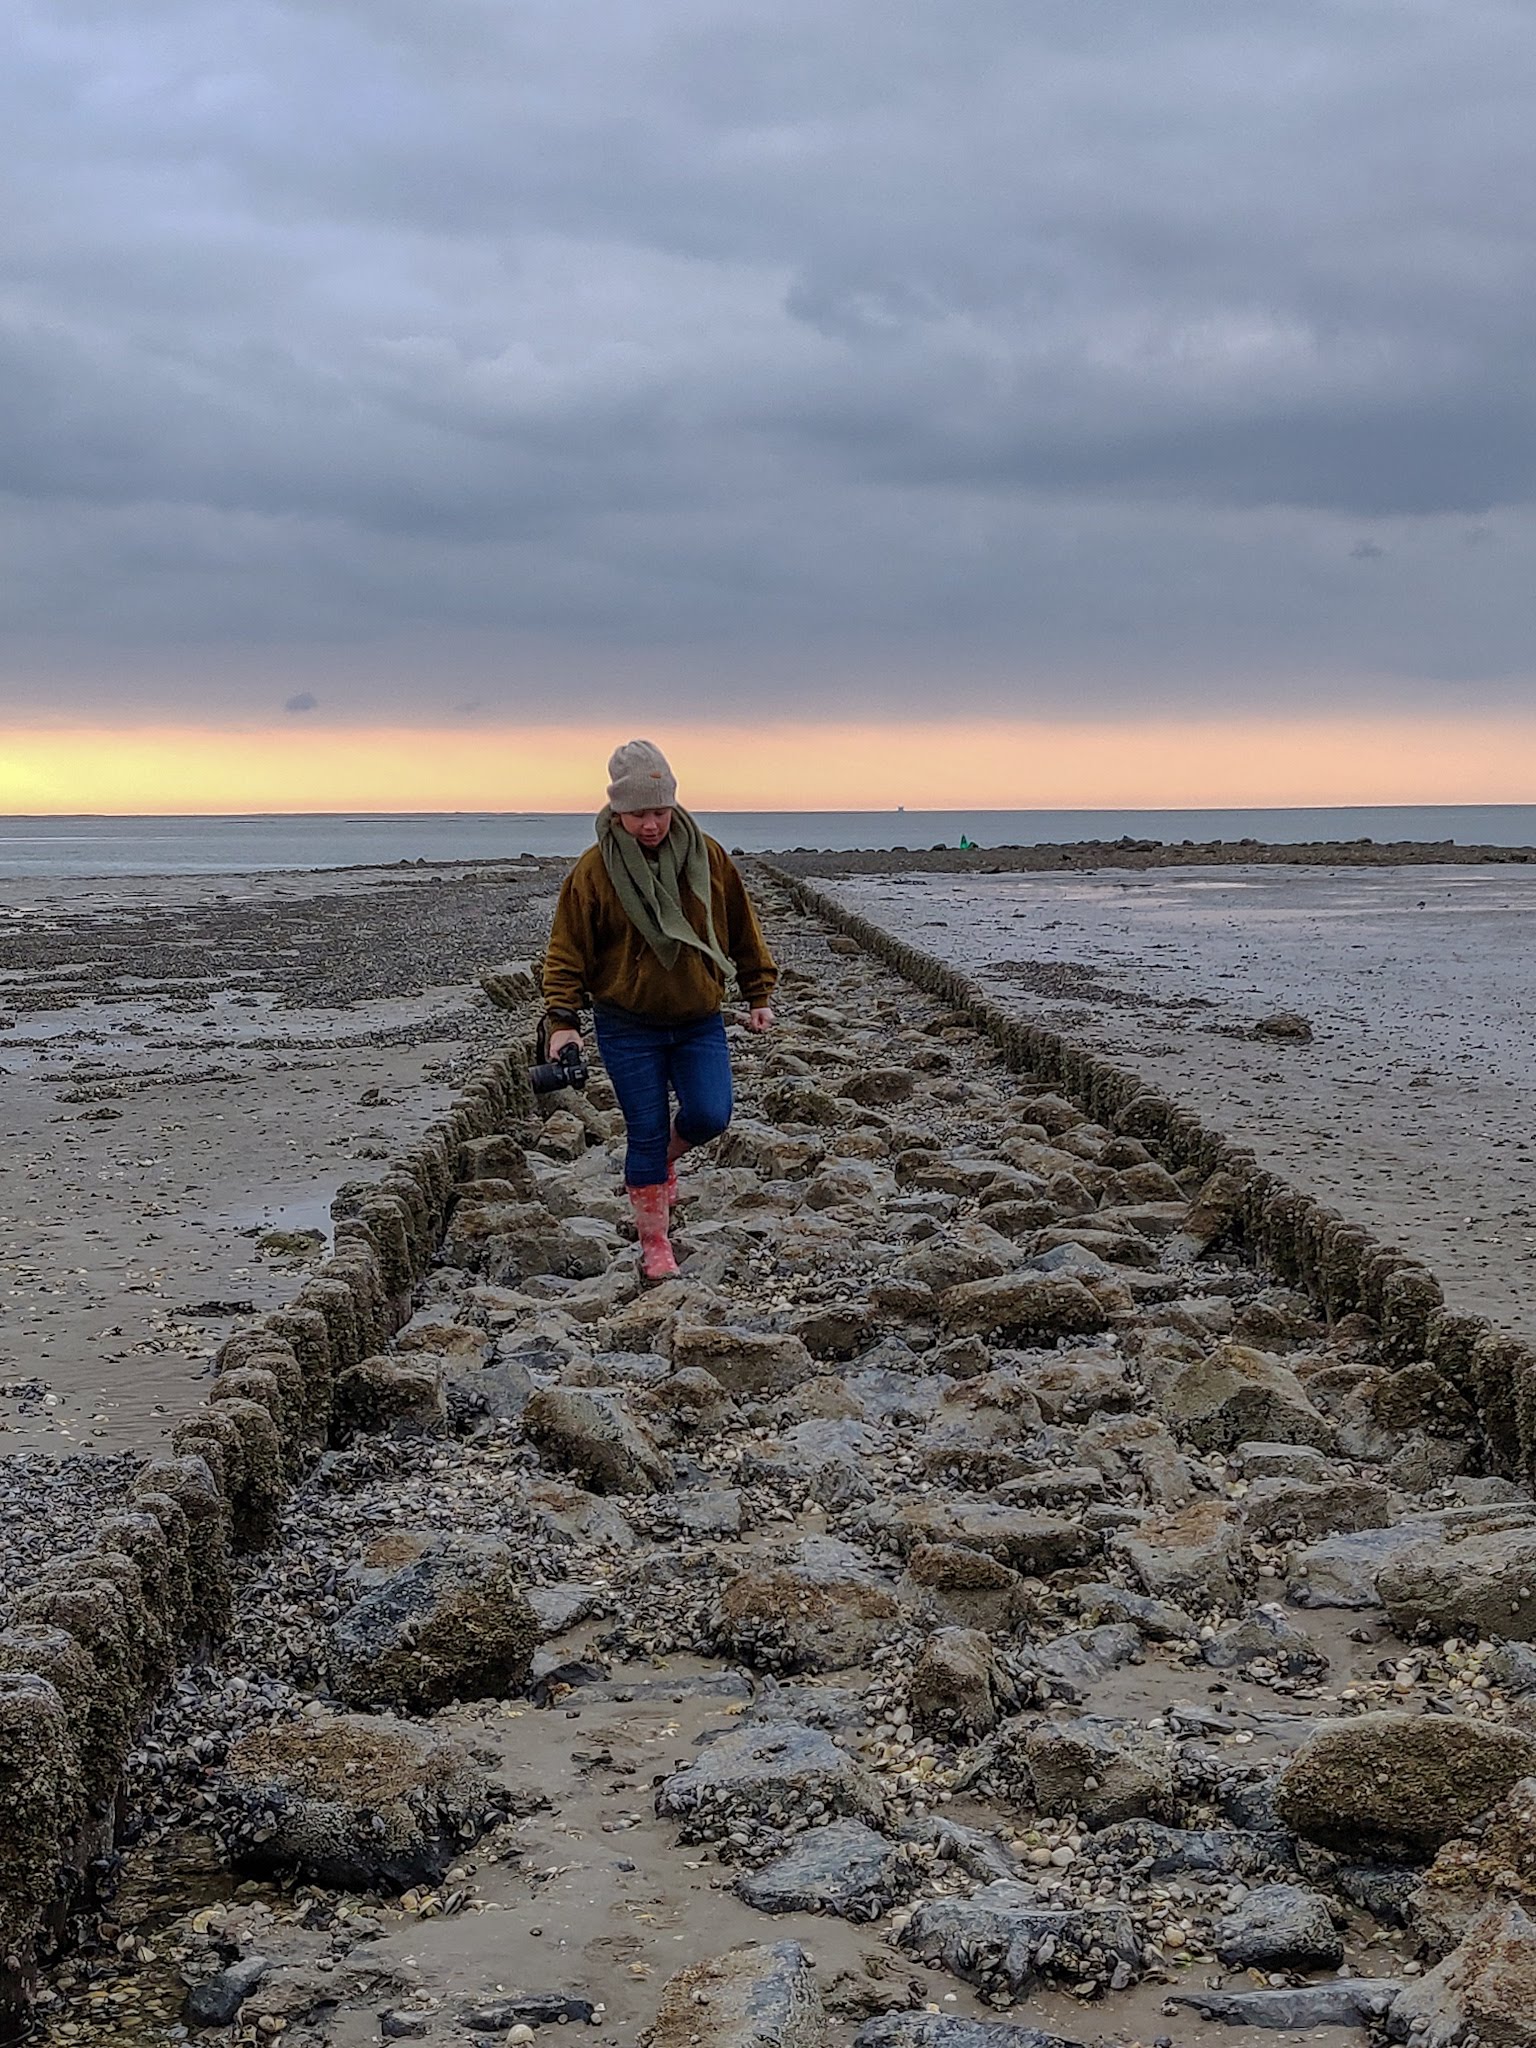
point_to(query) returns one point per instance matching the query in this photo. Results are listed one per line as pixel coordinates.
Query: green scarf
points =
(649, 889)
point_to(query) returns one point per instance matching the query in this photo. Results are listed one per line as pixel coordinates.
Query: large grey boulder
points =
(1071, 1665)
(390, 1396)
(690, 1404)
(1026, 1308)
(837, 1333)
(1204, 1852)
(1383, 1782)
(1345, 1570)
(770, 1773)
(1484, 1990)
(1191, 1556)
(821, 1609)
(751, 1364)
(572, 1515)
(764, 1149)
(1348, 2002)
(1298, 1510)
(799, 1099)
(957, 1258)
(710, 1511)
(829, 1454)
(450, 1623)
(842, 1183)
(1280, 1926)
(510, 1240)
(1103, 1260)
(1261, 1640)
(1157, 1620)
(967, 1588)
(1034, 1543)
(595, 1436)
(883, 1085)
(760, 1996)
(1102, 1770)
(1003, 1938)
(942, 2030)
(1237, 1394)
(977, 1448)
(565, 1605)
(1282, 1461)
(888, 1389)
(1073, 1387)
(1342, 1570)
(484, 1391)
(1138, 1451)
(957, 1687)
(353, 1801)
(846, 1869)
(1476, 1584)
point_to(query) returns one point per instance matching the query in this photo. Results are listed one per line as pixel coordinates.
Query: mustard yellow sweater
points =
(596, 955)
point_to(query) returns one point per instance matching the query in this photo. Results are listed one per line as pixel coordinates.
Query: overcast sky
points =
(471, 359)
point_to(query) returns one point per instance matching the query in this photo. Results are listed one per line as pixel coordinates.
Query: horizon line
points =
(1153, 810)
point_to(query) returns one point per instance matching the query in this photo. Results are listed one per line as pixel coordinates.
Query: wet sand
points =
(802, 1225)
(188, 1064)
(1413, 1107)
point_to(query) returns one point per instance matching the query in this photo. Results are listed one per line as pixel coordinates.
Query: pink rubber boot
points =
(650, 1207)
(675, 1151)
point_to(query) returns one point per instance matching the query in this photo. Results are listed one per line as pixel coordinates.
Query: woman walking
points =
(650, 921)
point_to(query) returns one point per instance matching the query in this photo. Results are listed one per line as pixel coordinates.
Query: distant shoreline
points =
(1088, 855)
(1083, 856)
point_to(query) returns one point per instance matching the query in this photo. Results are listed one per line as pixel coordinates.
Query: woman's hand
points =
(558, 1040)
(760, 1019)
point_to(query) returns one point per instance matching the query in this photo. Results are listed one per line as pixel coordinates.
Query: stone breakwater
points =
(1303, 1241)
(1032, 1579)
(94, 1637)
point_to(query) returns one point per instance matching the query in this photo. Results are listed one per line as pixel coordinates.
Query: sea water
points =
(83, 847)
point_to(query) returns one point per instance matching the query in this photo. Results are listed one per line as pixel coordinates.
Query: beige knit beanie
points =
(639, 778)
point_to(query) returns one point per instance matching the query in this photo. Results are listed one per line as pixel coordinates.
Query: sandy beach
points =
(1411, 1107)
(933, 1584)
(189, 1065)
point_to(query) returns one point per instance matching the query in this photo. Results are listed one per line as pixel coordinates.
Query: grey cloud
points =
(302, 700)
(1054, 349)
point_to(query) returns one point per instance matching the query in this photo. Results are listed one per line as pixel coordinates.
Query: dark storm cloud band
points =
(1051, 347)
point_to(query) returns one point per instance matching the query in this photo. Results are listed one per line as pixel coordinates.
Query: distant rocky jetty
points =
(1086, 855)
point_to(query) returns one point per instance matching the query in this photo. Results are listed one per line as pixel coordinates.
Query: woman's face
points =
(649, 827)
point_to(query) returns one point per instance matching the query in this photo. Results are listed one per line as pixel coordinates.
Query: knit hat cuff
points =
(639, 778)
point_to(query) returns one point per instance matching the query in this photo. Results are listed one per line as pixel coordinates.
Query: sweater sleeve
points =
(755, 966)
(568, 956)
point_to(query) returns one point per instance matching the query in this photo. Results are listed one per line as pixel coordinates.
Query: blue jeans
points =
(643, 1062)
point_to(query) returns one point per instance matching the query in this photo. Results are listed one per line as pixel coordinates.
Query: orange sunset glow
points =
(790, 766)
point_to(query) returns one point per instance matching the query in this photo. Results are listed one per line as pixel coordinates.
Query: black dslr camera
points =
(568, 1071)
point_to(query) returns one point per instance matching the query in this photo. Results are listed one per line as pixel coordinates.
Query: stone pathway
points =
(969, 1608)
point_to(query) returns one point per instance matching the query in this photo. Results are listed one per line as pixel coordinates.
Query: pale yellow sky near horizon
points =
(790, 765)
